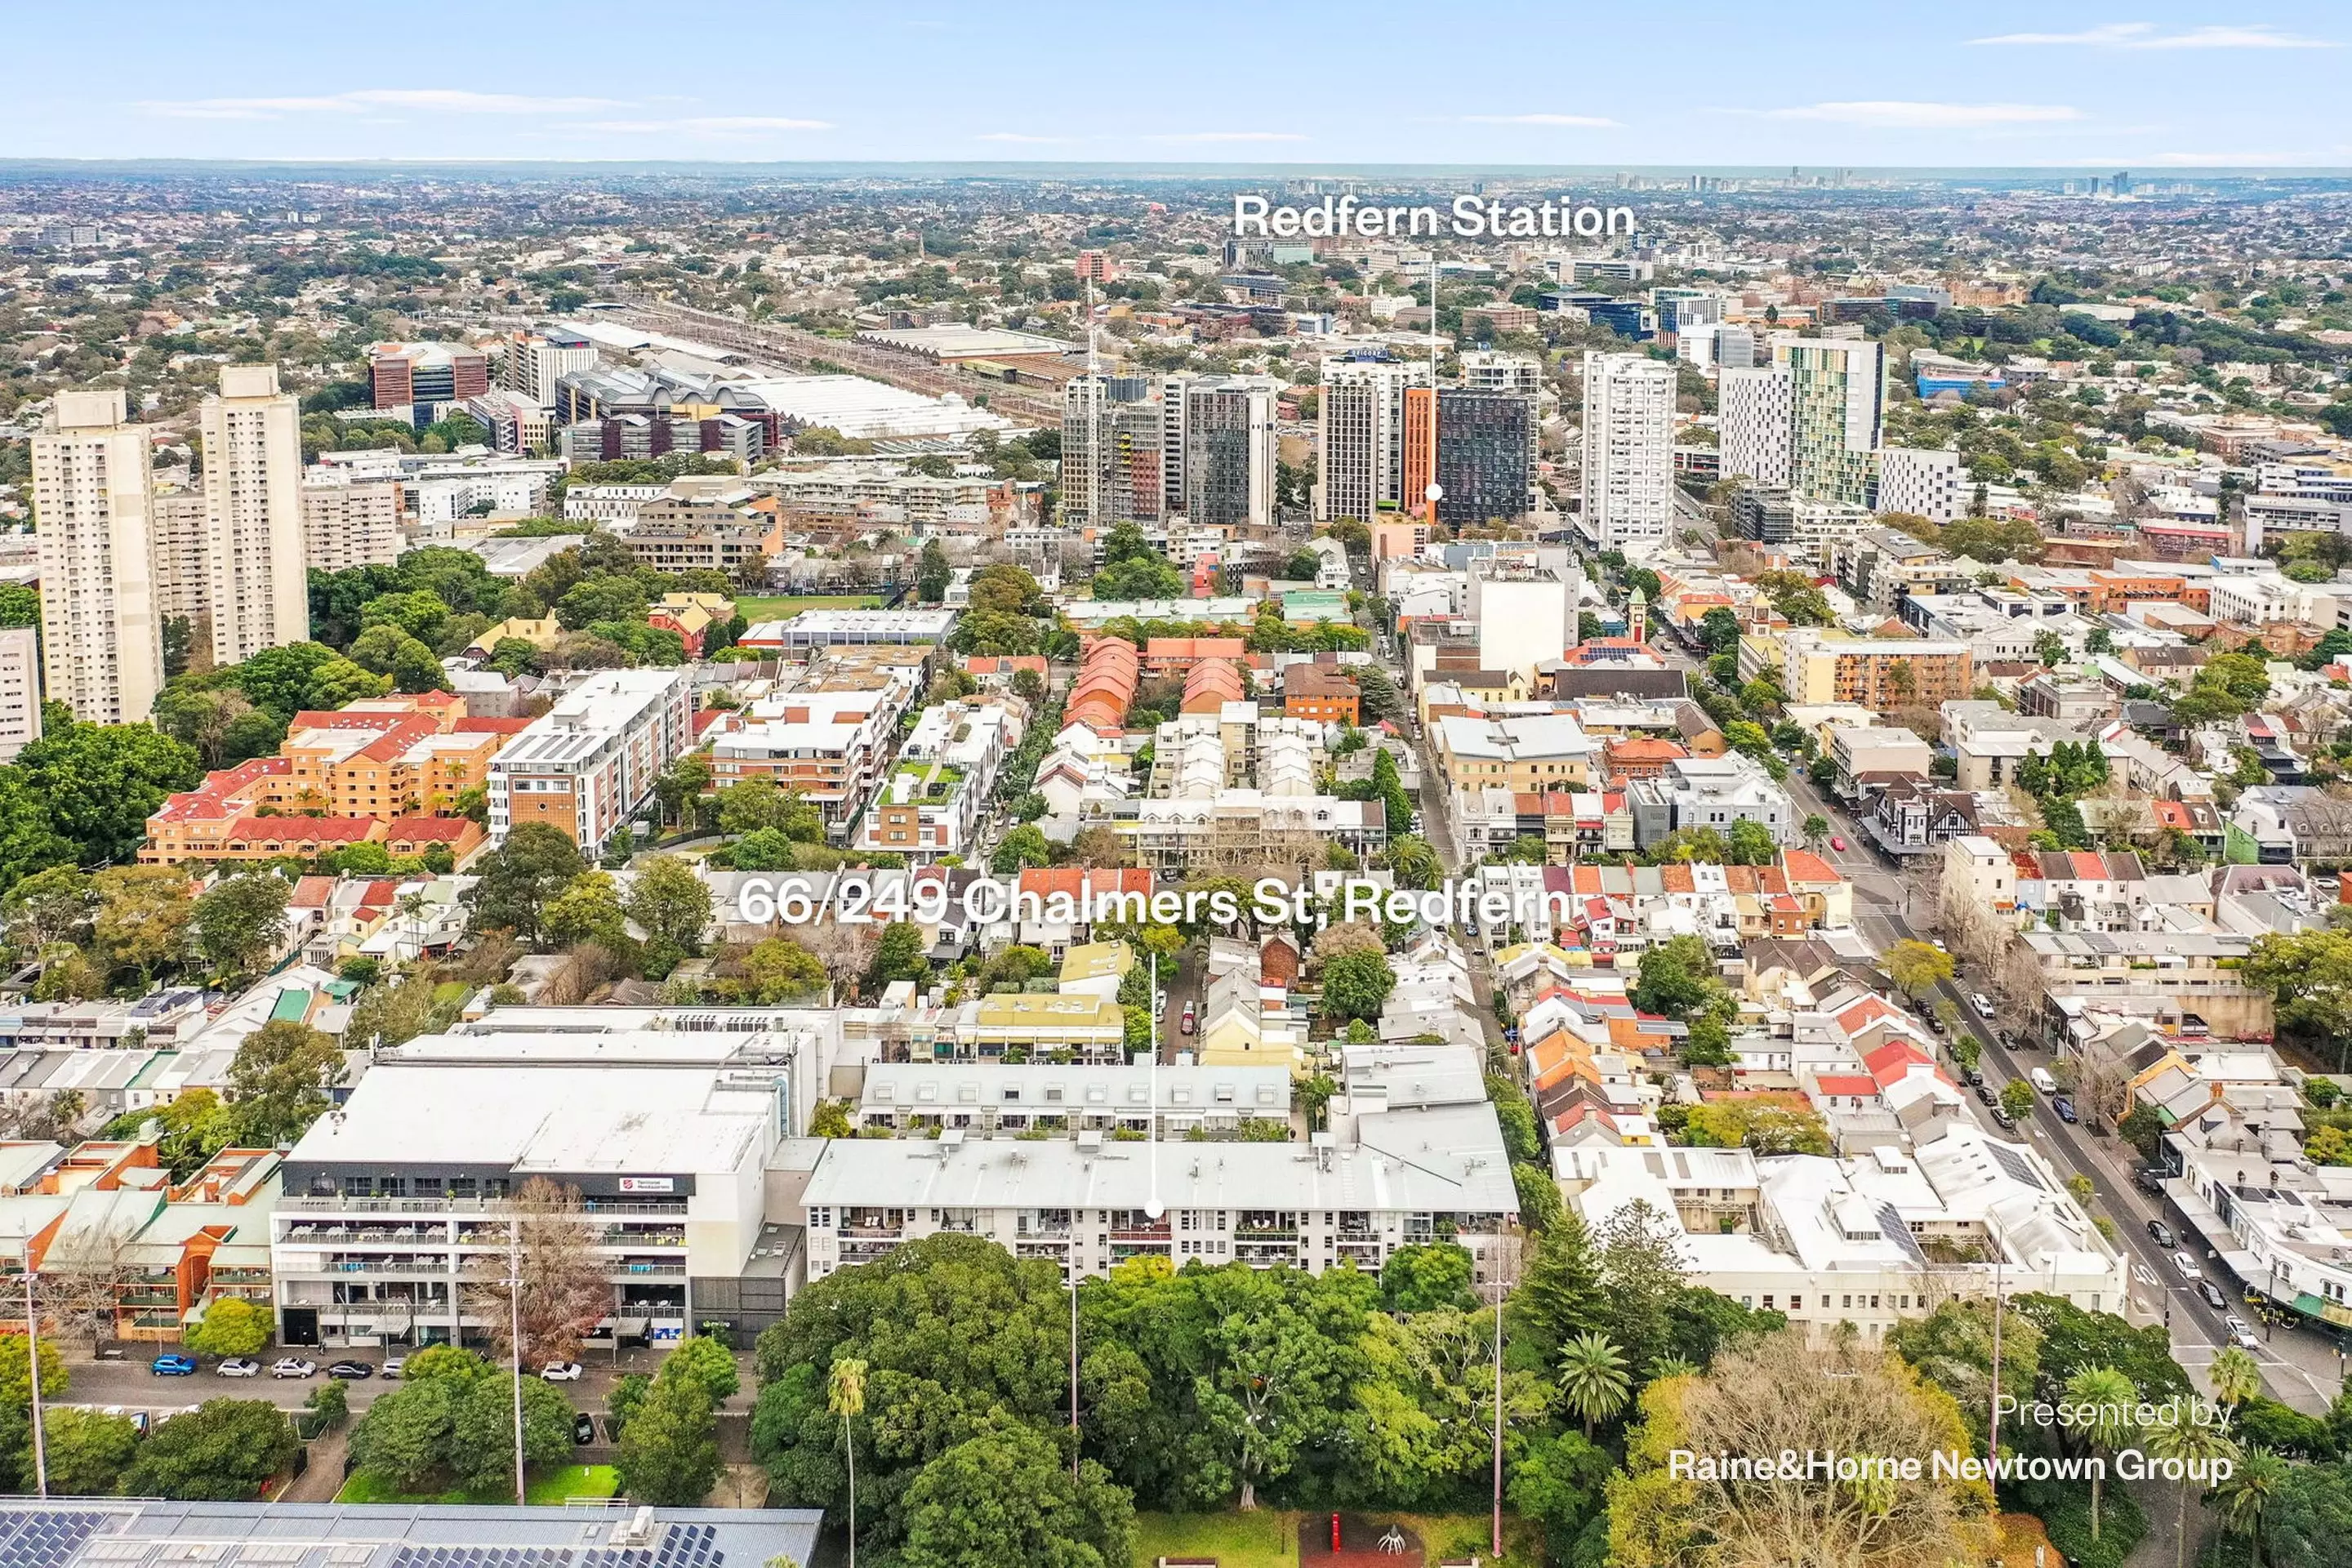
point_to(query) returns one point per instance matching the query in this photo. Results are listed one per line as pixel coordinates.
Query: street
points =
(2300, 1366)
(127, 1382)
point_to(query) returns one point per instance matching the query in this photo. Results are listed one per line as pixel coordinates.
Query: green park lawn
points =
(756, 607)
(1267, 1538)
(545, 1489)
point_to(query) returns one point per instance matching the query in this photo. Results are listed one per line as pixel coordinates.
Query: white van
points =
(2042, 1080)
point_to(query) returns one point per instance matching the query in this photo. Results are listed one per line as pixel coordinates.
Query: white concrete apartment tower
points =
(1629, 448)
(93, 487)
(259, 581)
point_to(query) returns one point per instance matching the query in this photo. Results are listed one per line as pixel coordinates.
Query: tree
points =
(219, 1452)
(900, 955)
(2247, 1494)
(780, 969)
(1676, 978)
(1023, 846)
(2197, 1446)
(240, 919)
(87, 1450)
(706, 1361)
(46, 907)
(278, 1082)
(1593, 1379)
(762, 849)
(844, 1396)
(519, 877)
(143, 915)
(2235, 1376)
(668, 1454)
(1559, 1295)
(1424, 1278)
(1752, 844)
(564, 1292)
(1640, 1256)
(1006, 1495)
(1783, 1392)
(1918, 967)
(587, 911)
(2105, 1396)
(670, 904)
(231, 1326)
(2017, 1099)
(100, 782)
(1355, 984)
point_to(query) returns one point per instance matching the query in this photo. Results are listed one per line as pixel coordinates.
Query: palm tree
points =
(2234, 1375)
(2109, 1396)
(2247, 1495)
(845, 1396)
(2197, 1446)
(1592, 1377)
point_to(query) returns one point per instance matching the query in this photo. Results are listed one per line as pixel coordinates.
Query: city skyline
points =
(2163, 87)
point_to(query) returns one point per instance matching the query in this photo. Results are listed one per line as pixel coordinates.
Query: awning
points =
(633, 1325)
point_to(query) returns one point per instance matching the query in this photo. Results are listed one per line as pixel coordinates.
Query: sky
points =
(1565, 82)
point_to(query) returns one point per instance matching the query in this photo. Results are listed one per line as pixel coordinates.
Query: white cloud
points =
(704, 125)
(1230, 136)
(2148, 36)
(1537, 120)
(1889, 115)
(446, 100)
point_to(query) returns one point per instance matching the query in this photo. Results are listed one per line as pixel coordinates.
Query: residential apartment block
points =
(101, 626)
(588, 764)
(356, 523)
(259, 591)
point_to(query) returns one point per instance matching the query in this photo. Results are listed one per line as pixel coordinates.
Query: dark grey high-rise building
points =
(1485, 443)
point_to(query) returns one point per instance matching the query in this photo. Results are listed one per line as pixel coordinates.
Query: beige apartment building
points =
(1877, 673)
(259, 585)
(94, 491)
(353, 525)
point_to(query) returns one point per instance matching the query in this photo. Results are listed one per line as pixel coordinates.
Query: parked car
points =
(294, 1366)
(2214, 1297)
(239, 1366)
(1190, 1020)
(1982, 1003)
(174, 1366)
(2188, 1266)
(2240, 1332)
(2148, 1181)
(2066, 1109)
(2042, 1080)
(2003, 1120)
(1837, 843)
(392, 1368)
(1985, 1092)
(560, 1372)
(2161, 1233)
(350, 1371)
(1972, 1077)
(583, 1427)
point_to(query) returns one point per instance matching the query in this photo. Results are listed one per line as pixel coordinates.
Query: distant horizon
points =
(1194, 168)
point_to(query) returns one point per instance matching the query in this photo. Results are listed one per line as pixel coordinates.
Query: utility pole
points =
(1072, 1262)
(1993, 1443)
(514, 1339)
(33, 1362)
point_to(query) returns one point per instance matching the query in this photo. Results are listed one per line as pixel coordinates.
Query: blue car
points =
(174, 1366)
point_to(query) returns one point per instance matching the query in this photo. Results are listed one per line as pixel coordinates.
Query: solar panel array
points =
(1891, 1226)
(481, 1557)
(680, 1546)
(2015, 1164)
(51, 1537)
(45, 1538)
